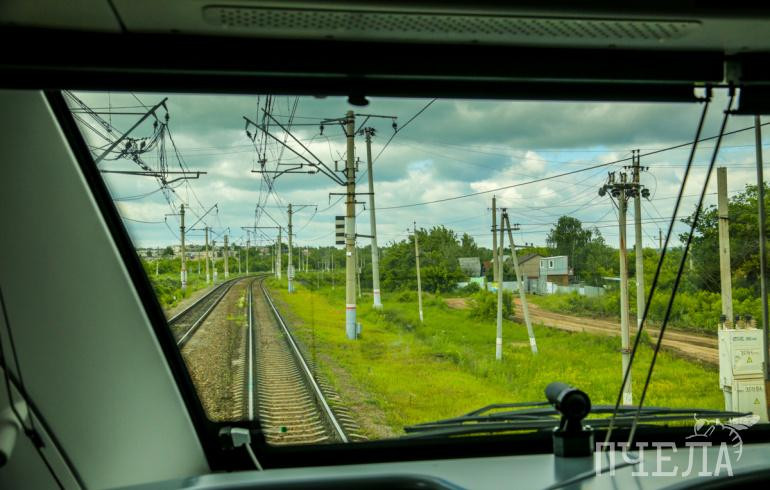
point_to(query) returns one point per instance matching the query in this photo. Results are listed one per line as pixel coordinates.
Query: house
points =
(555, 270)
(471, 266)
(529, 264)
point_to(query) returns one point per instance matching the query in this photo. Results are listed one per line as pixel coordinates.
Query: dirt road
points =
(690, 345)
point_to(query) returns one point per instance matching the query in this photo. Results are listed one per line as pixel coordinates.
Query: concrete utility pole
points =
(495, 270)
(358, 271)
(350, 228)
(239, 260)
(278, 254)
(214, 259)
(208, 257)
(762, 241)
(417, 261)
(248, 246)
(640, 299)
(499, 267)
(227, 260)
(625, 334)
(520, 282)
(290, 268)
(660, 240)
(724, 245)
(622, 191)
(373, 222)
(183, 271)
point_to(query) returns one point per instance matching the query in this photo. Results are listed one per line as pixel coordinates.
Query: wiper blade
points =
(542, 417)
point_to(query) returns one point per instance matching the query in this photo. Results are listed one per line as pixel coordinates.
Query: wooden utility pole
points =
(377, 302)
(350, 228)
(520, 282)
(639, 253)
(762, 242)
(183, 271)
(499, 266)
(227, 259)
(495, 270)
(417, 262)
(724, 245)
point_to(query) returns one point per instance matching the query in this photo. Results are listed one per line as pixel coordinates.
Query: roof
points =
(527, 257)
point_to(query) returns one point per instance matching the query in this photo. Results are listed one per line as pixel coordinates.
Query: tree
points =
(168, 252)
(568, 236)
(439, 267)
(744, 243)
(591, 258)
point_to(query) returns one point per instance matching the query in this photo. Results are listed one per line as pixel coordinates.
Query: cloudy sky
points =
(453, 148)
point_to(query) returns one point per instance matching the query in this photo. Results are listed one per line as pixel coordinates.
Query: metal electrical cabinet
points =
(741, 370)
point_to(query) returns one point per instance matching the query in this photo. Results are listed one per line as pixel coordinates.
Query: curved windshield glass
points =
(344, 273)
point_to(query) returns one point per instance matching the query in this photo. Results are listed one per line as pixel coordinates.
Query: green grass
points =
(168, 288)
(413, 372)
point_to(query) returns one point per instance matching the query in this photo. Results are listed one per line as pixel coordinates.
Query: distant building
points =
(471, 266)
(554, 270)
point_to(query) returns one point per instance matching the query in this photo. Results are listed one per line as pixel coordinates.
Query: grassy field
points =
(401, 372)
(168, 288)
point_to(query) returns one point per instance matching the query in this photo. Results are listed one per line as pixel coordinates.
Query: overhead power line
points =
(564, 174)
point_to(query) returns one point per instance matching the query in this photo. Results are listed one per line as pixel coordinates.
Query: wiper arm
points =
(545, 418)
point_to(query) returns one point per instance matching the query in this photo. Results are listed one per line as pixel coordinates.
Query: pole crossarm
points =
(318, 165)
(115, 143)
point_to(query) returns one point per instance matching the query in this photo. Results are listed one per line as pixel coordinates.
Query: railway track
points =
(184, 324)
(280, 388)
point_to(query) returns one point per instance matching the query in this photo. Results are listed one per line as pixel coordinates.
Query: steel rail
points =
(325, 408)
(224, 288)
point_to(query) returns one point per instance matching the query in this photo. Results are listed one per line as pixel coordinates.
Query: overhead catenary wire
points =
(563, 174)
(680, 271)
(656, 276)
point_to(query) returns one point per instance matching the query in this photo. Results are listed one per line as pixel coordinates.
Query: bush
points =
(405, 296)
(484, 305)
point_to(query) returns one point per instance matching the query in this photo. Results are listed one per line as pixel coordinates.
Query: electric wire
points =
(656, 277)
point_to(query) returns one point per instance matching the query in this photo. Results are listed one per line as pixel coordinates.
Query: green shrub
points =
(484, 304)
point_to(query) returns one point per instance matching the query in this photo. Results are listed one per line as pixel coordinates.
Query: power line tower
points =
(621, 189)
(311, 164)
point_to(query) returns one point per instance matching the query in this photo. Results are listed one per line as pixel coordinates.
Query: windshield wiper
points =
(547, 415)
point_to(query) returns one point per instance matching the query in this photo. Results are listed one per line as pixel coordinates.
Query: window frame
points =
(219, 457)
